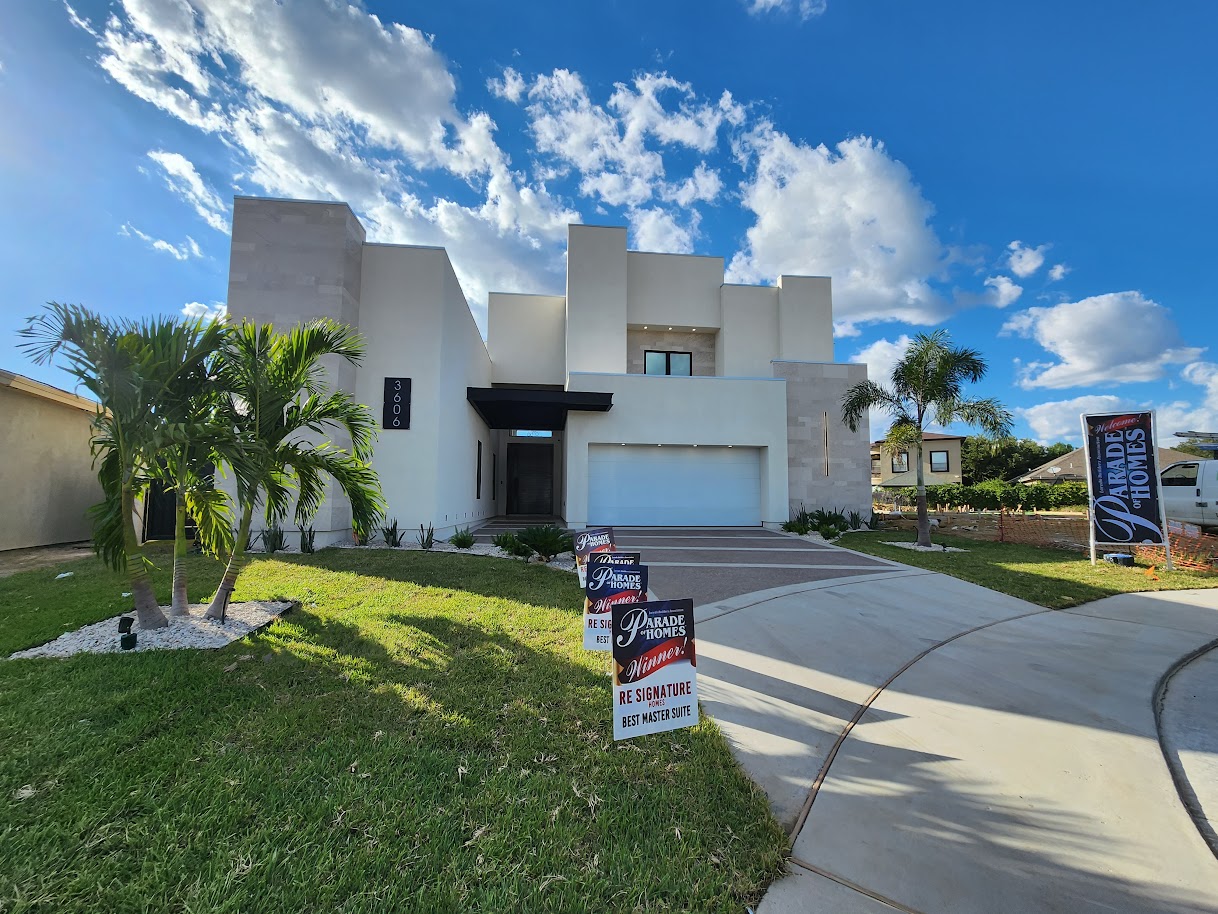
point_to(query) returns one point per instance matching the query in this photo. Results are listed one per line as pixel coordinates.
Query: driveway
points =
(933, 746)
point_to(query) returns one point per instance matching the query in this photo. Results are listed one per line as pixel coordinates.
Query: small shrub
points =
(426, 538)
(855, 520)
(795, 525)
(273, 538)
(547, 541)
(462, 539)
(828, 531)
(306, 540)
(393, 539)
(511, 545)
(874, 522)
(251, 540)
(360, 535)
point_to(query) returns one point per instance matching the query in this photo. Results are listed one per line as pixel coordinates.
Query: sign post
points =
(655, 674)
(1123, 482)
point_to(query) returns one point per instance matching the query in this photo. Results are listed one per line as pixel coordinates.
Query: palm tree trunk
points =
(181, 604)
(147, 609)
(236, 561)
(923, 520)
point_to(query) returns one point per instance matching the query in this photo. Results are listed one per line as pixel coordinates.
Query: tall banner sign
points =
(655, 674)
(588, 542)
(1123, 481)
(611, 581)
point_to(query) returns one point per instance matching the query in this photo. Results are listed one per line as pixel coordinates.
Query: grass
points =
(425, 734)
(1047, 577)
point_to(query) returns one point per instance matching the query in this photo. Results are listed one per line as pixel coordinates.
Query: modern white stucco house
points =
(652, 392)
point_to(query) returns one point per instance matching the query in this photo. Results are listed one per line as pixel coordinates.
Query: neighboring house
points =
(46, 473)
(651, 393)
(1072, 467)
(940, 456)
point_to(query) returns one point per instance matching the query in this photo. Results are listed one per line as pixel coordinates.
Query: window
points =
(939, 462)
(531, 433)
(1183, 475)
(494, 475)
(900, 462)
(478, 485)
(669, 363)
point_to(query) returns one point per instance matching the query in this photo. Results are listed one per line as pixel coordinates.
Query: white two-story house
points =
(651, 394)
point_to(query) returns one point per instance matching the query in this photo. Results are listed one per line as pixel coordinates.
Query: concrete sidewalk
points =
(1016, 769)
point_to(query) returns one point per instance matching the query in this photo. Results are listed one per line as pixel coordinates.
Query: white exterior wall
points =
(748, 341)
(596, 298)
(805, 318)
(527, 338)
(672, 290)
(749, 412)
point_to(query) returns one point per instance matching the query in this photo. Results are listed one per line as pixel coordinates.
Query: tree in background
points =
(927, 383)
(276, 390)
(985, 458)
(1193, 448)
(130, 367)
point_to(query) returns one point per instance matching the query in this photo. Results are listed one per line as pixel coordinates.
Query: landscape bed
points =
(425, 732)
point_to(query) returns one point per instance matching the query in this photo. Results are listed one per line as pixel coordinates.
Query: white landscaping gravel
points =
(916, 548)
(189, 632)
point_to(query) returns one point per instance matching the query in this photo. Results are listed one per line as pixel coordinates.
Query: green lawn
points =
(1047, 577)
(425, 734)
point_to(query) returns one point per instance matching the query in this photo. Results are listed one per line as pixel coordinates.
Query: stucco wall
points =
(701, 347)
(596, 298)
(805, 318)
(673, 289)
(910, 478)
(748, 341)
(47, 472)
(527, 338)
(829, 465)
(661, 410)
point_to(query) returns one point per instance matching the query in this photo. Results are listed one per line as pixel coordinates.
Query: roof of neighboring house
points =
(46, 391)
(929, 436)
(1072, 467)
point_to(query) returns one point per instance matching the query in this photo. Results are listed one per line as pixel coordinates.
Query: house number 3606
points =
(396, 411)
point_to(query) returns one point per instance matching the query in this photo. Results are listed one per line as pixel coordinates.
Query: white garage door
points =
(646, 485)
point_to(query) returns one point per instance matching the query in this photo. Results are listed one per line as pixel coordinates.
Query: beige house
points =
(940, 456)
(46, 473)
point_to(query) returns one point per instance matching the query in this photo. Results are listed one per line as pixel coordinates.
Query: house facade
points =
(651, 393)
(941, 456)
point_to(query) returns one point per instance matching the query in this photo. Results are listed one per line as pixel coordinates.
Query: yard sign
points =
(655, 674)
(613, 578)
(1123, 482)
(594, 539)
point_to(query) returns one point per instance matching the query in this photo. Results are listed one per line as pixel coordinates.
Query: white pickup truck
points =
(1190, 492)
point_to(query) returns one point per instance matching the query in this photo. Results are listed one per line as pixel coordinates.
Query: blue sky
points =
(1037, 178)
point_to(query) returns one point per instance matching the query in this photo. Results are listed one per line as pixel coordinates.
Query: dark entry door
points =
(530, 479)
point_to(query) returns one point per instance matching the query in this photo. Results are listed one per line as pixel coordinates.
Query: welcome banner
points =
(655, 670)
(1123, 480)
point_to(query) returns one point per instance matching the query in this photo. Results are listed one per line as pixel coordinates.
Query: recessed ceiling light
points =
(731, 445)
(644, 326)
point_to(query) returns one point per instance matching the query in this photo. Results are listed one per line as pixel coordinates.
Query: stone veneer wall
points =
(814, 393)
(294, 261)
(701, 344)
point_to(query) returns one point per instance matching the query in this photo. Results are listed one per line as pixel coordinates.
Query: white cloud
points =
(1058, 420)
(1003, 291)
(1114, 338)
(881, 358)
(217, 310)
(656, 230)
(184, 251)
(1058, 272)
(704, 185)
(1024, 260)
(79, 21)
(806, 8)
(510, 87)
(183, 179)
(853, 213)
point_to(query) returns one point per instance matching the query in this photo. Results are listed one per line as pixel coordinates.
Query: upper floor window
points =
(670, 363)
(531, 433)
(900, 462)
(939, 462)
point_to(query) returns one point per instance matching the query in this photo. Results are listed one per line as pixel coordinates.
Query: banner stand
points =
(1154, 432)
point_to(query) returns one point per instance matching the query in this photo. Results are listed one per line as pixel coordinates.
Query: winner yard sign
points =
(655, 675)
(1123, 481)
(613, 578)
(589, 542)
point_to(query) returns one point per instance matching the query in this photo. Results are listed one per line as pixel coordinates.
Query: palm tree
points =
(278, 397)
(129, 367)
(926, 382)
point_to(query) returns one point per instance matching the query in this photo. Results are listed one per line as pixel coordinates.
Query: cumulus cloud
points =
(1058, 420)
(1025, 260)
(656, 230)
(853, 213)
(805, 8)
(1114, 338)
(1003, 291)
(1058, 272)
(194, 310)
(183, 179)
(881, 358)
(184, 251)
(510, 87)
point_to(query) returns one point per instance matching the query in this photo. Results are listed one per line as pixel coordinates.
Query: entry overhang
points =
(544, 410)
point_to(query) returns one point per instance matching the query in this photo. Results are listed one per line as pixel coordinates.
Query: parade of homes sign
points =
(1123, 481)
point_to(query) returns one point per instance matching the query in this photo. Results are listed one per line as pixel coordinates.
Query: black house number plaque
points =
(396, 412)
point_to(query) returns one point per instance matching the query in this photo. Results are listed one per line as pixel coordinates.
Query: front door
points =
(530, 479)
